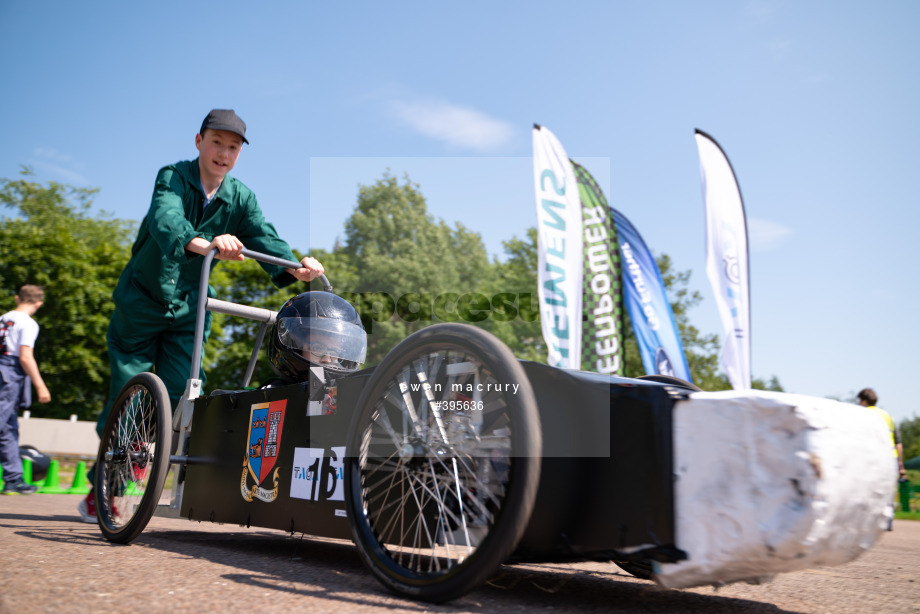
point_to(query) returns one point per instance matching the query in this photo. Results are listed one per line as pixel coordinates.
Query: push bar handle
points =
(203, 296)
(289, 264)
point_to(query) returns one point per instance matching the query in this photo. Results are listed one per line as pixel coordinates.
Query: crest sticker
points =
(266, 421)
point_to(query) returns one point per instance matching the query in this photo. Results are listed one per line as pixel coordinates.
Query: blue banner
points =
(647, 305)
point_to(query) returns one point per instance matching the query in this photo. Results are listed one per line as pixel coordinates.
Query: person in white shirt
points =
(18, 332)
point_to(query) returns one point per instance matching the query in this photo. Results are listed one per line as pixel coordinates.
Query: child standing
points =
(18, 332)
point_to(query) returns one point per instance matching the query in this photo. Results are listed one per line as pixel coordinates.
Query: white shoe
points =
(85, 515)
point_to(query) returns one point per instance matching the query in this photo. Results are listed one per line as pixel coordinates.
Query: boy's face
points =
(317, 351)
(218, 151)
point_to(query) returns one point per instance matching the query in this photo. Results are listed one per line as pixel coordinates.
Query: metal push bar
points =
(182, 417)
(265, 316)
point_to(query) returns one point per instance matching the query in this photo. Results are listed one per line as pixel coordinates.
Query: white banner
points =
(727, 257)
(559, 232)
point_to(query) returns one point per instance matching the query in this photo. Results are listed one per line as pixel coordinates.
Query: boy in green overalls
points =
(196, 207)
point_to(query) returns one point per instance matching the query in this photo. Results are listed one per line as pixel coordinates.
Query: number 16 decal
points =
(318, 474)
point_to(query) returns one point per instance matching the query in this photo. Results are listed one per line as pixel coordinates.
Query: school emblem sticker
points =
(265, 423)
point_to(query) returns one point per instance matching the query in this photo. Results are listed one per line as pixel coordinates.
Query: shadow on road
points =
(332, 571)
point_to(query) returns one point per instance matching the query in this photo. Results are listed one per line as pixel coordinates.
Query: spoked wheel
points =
(443, 462)
(133, 458)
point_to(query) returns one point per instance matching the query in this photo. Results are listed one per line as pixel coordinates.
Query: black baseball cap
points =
(225, 119)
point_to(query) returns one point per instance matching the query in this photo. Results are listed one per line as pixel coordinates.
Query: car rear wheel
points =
(443, 462)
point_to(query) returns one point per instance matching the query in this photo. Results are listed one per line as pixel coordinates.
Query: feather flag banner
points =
(559, 247)
(727, 258)
(648, 307)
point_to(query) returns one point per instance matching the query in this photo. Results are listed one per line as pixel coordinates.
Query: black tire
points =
(133, 458)
(670, 379)
(439, 501)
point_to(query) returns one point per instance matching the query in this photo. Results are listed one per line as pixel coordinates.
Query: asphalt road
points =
(53, 563)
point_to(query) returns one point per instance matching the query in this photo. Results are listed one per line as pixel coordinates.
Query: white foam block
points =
(772, 482)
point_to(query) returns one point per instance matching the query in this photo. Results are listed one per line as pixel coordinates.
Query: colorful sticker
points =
(266, 421)
(318, 475)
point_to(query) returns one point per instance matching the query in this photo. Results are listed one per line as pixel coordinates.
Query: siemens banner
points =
(602, 292)
(559, 248)
(648, 306)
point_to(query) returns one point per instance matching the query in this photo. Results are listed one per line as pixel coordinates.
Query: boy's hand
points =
(310, 269)
(228, 246)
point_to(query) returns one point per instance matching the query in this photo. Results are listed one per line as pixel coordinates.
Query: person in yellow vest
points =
(867, 398)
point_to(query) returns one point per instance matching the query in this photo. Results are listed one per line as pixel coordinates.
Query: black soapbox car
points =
(449, 458)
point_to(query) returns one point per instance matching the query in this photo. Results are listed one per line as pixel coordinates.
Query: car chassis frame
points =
(446, 460)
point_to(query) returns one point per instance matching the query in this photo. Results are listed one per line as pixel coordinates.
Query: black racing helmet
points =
(316, 329)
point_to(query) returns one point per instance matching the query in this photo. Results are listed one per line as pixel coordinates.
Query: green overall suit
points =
(153, 326)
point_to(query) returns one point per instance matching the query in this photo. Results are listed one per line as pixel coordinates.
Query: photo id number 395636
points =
(458, 405)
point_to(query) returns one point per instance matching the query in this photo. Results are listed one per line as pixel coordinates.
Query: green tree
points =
(49, 236)
(910, 437)
(404, 261)
(516, 278)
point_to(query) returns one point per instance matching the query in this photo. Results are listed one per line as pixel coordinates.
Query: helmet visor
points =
(324, 341)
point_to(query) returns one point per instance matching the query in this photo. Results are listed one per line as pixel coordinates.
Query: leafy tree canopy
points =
(50, 237)
(404, 261)
(910, 437)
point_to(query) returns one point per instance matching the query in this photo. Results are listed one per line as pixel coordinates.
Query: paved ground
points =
(53, 563)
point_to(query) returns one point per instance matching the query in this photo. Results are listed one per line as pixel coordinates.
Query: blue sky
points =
(815, 103)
